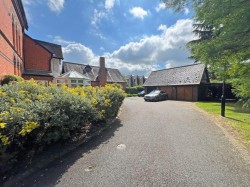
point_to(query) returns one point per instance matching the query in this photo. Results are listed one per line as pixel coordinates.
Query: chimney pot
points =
(102, 62)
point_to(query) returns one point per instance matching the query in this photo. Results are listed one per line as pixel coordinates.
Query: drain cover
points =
(121, 146)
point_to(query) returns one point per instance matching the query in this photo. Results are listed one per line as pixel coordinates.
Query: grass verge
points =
(236, 117)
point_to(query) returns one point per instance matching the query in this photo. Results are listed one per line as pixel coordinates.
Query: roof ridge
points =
(87, 65)
(178, 67)
(47, 42)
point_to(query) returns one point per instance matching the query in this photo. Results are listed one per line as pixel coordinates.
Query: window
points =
(19, 44)
(87, 82)
(16, 39)
(14, 61)
(17, 66)
(59, 82)
(76, 82)
(13, 32)
(72, 82)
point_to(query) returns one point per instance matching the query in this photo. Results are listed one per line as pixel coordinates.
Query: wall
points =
(27, 77)
(95, 83)
(181, 93)
(35, 56)
(55, 66)
(11, 40)
(170, 90)
(123, 84)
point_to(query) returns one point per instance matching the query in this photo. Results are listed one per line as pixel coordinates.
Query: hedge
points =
(134, 90)
(10, 78)
(33, 116)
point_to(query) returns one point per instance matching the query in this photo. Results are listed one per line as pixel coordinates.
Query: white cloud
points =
(186, 11)
(149, 53)
(168, 65)
(160, 7)
(97, 17)
(162, 28)
(138, 12)
(168, 47)
(109, 4)
(75, 52)
(79, 53)
(56, 5)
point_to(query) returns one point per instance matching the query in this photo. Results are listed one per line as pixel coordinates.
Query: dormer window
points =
(88, 68)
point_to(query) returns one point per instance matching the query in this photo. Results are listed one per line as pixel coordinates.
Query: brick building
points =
(98, 76)
(42, 60)
(11, 37)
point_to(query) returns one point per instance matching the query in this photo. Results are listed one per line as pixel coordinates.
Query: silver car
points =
(156, 95)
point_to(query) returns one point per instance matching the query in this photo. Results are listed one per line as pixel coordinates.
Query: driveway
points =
(167, 143)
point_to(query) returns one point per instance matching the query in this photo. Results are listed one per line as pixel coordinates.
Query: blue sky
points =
(135, 36)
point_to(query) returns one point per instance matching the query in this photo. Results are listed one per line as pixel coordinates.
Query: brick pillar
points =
(102, 72)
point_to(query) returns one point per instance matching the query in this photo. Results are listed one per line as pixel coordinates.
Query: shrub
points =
(134, 90)
(10, 78)
(33, 116)
(131, 95)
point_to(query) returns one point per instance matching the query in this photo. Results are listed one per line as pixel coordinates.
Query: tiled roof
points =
(184, 75)
(55, 49)
(37, 72)
(113, 75)
(73, 74)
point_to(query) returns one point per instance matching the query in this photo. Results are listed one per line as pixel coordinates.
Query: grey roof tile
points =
(55, 49)
(184, 75)
(113, 75)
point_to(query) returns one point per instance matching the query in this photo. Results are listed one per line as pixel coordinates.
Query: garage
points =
(185, 93)
(180, 83)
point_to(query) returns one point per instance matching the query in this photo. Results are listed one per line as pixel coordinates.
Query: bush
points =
(10, 78)
(33, 116)
(134, 90)
(131, 95)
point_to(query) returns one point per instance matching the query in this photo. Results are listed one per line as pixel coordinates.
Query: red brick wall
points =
(123, 85)
(11, 40)
(35, 56)
(95, 83)
(27, 77)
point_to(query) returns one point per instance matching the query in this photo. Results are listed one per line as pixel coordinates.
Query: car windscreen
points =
(156, 92)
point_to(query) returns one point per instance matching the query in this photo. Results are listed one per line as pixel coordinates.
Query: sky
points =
(135, 36)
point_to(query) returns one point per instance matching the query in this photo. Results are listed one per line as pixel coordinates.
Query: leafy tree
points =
(223, 31)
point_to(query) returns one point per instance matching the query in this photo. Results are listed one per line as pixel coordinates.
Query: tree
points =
(223, 31)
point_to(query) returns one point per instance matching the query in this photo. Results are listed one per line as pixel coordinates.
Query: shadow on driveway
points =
(51, 175)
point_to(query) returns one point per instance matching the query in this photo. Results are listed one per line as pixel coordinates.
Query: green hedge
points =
(134, 90)
(9, 78)
(33, 116)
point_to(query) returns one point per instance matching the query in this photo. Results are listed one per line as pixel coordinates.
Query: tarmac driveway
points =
(166, 143)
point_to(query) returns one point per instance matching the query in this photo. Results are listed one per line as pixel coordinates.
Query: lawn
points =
(237, 117)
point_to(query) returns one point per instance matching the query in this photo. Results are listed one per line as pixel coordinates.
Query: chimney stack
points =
(102, 72)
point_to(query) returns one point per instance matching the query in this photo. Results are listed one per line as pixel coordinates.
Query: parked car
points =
(141, 93)
(156, 95)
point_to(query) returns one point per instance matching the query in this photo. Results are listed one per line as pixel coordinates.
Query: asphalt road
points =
(167, 143)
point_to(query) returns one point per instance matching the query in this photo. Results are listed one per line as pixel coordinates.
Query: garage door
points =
(185, 93)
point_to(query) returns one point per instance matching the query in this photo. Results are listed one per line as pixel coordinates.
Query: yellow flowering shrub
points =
(32, 115)
(28, 127)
